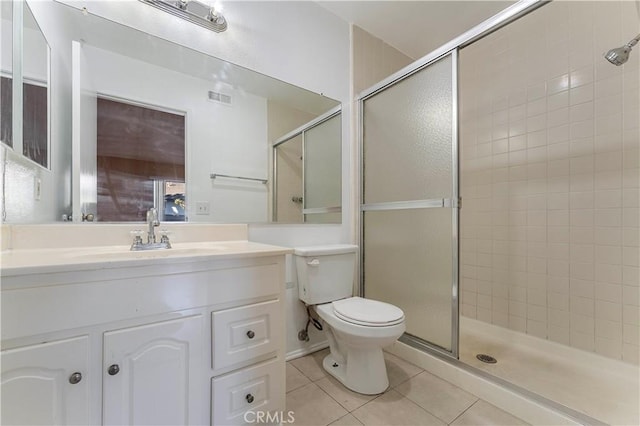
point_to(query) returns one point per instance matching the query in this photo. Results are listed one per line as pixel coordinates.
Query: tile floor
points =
(414, 397)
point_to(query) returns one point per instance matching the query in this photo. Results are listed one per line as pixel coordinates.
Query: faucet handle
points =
(137, 237)
(165, 237)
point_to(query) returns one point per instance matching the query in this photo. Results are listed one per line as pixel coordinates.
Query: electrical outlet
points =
(202, 207)
(37, 188)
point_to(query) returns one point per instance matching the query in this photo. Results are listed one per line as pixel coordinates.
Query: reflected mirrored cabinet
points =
(24, 86)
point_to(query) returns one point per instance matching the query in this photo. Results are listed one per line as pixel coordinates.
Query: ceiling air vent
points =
(219, 97)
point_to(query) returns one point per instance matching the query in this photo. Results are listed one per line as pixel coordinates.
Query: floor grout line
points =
(389, 389)
(465, 410)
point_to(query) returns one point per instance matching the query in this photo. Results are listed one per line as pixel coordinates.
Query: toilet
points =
(357, 328)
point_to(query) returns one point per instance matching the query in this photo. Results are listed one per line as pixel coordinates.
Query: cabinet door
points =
(152, 374)
(46, 384)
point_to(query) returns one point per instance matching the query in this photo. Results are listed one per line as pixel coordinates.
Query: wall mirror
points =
(154, 123)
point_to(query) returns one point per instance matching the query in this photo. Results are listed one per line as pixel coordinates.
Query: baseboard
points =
(306, 351)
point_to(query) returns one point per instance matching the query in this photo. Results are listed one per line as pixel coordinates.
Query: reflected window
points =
(35, 121)
(35, 138)
(6, 110)
(141, 157)
(173, 201)
(34, 124)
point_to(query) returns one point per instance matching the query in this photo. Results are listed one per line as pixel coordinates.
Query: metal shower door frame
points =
(453, 203)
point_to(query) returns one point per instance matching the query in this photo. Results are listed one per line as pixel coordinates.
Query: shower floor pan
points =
(602, 388)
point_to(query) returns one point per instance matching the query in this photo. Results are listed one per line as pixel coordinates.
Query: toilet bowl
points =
(356, 337)
(357, 328)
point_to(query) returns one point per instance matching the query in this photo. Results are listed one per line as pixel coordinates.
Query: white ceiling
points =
(415, 27)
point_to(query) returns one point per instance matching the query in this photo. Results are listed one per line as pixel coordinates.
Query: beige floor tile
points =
(391, 409)
(347, 420)
(439, 397)
(311, 365)
(345, 397)
(399, 370)
(312, 406)
(295, 379)
(482, 413)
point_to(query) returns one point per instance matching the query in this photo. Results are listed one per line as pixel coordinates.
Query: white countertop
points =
(38, 261)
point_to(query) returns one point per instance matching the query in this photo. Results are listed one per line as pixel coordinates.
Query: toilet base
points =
(367, 374)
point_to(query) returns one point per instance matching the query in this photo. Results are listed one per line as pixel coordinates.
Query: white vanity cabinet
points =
(46, 384)
(188, 341)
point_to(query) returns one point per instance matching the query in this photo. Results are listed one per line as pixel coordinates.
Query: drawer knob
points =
(75, 378)
(113, 369)
(251, 334)
(249, 398)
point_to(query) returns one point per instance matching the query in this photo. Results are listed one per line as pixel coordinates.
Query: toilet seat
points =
(367, 312)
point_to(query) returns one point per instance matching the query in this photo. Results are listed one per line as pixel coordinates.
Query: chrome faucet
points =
(151, 244)
(152, 222)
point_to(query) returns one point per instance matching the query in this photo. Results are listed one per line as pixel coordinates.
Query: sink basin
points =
(124, 253)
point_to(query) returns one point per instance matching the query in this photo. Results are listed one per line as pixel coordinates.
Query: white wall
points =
(6, 40)
(294, 41)
(226, 139)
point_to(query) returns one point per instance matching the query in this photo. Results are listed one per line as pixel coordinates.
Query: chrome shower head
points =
(620, 55)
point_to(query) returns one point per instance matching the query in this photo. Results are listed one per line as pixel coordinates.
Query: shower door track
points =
(442, 355)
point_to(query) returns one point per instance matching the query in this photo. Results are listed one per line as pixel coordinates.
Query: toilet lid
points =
(368, 312)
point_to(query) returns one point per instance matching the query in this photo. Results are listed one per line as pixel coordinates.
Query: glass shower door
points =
(410, 202)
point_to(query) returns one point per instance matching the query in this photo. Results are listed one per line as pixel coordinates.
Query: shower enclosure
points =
(500, 188)
(410, 201)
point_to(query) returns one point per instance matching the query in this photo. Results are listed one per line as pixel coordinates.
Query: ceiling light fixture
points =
(193, 11)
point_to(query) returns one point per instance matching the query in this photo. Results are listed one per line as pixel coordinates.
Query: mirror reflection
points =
(6, 72)
(33, 138)
(158, 124)
(35, 89)
(307, 169)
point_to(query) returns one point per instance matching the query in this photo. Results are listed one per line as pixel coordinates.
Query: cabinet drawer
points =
(257, 389)
(245, 333)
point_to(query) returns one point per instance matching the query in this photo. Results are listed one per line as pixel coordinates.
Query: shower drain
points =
(486, 358)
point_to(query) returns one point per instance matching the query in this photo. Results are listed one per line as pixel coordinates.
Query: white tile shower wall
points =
(550, 158)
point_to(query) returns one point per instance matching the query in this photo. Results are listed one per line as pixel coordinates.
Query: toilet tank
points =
(325, 273)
